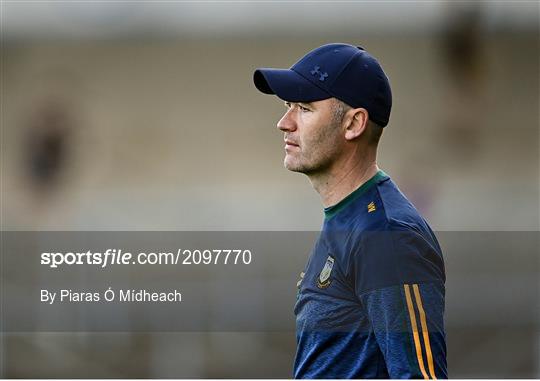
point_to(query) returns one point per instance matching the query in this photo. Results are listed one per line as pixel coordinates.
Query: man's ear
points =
(357, 120)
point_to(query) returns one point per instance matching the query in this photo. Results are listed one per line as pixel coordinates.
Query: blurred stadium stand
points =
(143, 116)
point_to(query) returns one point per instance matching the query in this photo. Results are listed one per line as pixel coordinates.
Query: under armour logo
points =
(316, 71)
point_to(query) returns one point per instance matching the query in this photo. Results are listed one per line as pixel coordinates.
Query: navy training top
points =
(370, 301)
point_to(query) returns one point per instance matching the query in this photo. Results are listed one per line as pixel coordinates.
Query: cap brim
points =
(287, 85)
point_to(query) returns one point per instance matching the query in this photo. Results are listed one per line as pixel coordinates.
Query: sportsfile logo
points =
(120, 257)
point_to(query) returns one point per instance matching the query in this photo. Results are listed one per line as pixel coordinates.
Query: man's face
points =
(313, 139)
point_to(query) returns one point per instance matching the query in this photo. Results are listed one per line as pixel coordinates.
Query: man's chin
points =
(293, 167)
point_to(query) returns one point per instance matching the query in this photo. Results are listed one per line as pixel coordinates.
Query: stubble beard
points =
(309, 165)
(300, 165)
(316, 160)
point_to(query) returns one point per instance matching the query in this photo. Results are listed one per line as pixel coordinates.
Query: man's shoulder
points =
(386, 208)
(400, 213)
(384, 240)
(400, 247)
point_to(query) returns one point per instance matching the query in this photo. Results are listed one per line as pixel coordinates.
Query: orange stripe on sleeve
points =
(424, 330)
(415, 331)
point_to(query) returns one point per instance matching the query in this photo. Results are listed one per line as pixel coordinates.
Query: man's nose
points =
(287, 122)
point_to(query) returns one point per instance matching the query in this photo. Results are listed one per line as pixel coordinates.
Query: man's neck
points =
(341, 181)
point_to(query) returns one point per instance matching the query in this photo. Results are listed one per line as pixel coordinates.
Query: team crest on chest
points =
(298, 284)
(301, 279)
(324, 280)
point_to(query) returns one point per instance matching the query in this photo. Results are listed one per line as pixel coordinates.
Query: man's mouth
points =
(290, 144)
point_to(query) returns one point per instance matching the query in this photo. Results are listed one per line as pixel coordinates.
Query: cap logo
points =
(316, 71)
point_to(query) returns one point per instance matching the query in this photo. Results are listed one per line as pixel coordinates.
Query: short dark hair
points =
(339, 108)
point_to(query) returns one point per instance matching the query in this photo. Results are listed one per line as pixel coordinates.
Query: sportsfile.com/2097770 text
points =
(119, 257)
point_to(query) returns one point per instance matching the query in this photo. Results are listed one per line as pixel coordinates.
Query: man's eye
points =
(304, 109)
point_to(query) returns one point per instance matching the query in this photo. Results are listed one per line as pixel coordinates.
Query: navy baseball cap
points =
(342, 71)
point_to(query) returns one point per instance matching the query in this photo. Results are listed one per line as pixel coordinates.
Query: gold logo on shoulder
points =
(371, 207)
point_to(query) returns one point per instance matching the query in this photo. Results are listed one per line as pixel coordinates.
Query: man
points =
(371, 298)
